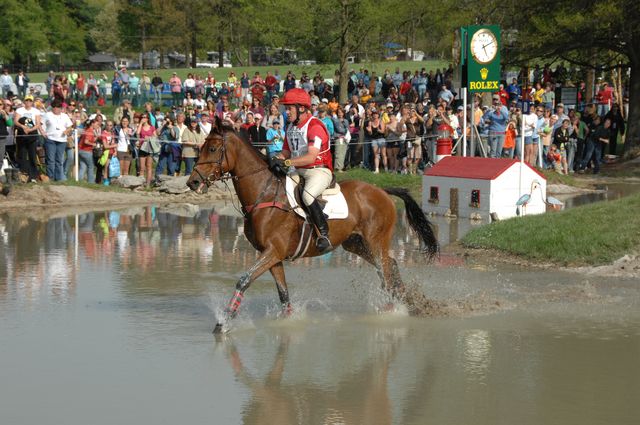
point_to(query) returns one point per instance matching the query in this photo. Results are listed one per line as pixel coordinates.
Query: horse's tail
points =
(417, 220)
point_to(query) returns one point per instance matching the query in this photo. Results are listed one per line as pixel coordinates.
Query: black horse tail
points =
(418, 221)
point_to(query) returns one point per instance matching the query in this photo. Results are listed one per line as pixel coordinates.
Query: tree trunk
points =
(632, 135)
(344, 52)
(194, 44)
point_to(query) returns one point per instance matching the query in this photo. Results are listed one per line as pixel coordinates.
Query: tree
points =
(102, 33)
(596, 34)
(21, 37)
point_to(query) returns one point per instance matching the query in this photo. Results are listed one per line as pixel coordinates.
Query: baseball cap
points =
(275, 96)
(460, 108)
(496, 97)
(257, 116)
(29, 97)
(560, 105)
(325, 100)
(389, 105)
(275, 122)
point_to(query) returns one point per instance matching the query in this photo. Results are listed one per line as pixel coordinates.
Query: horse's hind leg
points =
(385, 266)
(277, 272)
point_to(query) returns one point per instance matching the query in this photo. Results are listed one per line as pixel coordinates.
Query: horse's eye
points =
(213, 149)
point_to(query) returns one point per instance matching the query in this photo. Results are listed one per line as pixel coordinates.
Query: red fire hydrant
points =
(444, 143)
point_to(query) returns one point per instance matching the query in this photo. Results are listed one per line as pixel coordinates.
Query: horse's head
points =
(217, 157)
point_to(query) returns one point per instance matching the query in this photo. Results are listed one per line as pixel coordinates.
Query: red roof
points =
(473, 167)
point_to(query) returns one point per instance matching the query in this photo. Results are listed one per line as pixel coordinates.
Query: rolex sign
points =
(482, 57)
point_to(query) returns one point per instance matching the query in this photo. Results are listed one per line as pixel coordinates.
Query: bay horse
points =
(274, 229)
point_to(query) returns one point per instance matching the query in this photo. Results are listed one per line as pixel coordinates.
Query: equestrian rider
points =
(306, 148)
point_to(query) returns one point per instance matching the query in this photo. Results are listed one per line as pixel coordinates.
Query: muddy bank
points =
(627, 266)
(34, 198)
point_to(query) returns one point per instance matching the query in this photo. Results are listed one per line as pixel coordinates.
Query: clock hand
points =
(488, 44)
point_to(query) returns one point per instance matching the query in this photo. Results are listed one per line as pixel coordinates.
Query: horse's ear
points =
(216, 127)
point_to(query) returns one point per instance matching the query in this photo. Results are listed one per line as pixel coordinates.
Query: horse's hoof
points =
(220, 329)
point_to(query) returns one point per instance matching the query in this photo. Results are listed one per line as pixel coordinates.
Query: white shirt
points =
(56, 125)
(530, 124)
(205, 127)
(181, 130)
(5, 80)
(199, 103)
(123, 140)
(30, 113)
(360, 109)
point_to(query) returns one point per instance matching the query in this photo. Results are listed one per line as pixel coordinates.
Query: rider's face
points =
(292, 113)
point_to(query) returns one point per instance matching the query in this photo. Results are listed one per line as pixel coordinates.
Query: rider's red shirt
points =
(309, 132)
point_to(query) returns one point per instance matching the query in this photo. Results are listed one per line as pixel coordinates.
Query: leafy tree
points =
(21, 37)
(597, 34)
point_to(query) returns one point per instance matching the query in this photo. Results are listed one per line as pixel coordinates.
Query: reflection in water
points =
(150, 245)
(36, 260)
(313, 380)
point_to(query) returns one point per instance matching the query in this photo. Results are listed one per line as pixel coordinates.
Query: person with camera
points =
(167, 135)
(496, 118)
(28, 125)
(88, 141)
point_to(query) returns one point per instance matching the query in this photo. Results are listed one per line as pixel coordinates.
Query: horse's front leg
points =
(277, 271)
(267, 260)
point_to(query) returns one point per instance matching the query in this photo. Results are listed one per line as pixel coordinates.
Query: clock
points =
(484, 46)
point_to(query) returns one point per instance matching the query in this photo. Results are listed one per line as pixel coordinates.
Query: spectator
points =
(5, 83)
(22, 83)
(156, 88)
(192, 140)
(605, 99)
(561, 141)
(514, 91)
(167, 135)
(110, 143)
(275, 139)
(27, 121)
(88, 140)
(6, 121)
(176, 89)
(116, 89)
(617, 126)
(496, 118)
(134, 89)
(124, 133)
(58, 127)
(445, 95)
(375, 131)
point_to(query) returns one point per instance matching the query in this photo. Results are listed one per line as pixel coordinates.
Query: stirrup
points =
(323, 243)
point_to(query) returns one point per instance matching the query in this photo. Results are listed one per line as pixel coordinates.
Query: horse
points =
(274, 229)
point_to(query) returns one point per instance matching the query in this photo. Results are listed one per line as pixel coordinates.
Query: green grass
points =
(383, 180)
(326, 70)
(569, 180)
(590, 235)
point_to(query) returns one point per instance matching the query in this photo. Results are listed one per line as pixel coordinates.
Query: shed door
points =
(453, 201)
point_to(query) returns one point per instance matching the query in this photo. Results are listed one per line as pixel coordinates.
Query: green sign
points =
(481, 58)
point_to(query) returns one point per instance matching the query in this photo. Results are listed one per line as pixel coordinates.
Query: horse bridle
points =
(211, 177)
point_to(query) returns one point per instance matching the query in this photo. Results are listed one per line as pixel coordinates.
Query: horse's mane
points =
(243, 135)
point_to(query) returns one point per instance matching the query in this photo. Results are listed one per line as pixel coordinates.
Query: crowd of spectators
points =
(390, 123)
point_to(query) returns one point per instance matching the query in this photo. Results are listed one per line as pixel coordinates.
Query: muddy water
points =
(106, 318)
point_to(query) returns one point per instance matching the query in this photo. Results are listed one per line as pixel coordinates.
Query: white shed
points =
(482, 187)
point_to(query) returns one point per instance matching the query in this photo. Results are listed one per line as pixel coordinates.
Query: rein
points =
(211, 178)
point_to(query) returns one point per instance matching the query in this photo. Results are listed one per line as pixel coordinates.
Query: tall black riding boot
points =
(317, 216)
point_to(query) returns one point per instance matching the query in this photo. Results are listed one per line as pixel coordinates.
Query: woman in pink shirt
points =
(145, 131)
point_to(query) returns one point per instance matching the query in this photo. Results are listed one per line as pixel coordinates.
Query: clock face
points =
(484, 46)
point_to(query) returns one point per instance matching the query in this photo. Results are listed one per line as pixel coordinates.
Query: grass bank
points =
(590, 235)
(384, 180)
(326, 70)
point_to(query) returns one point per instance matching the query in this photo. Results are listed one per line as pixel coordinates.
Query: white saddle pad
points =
(336, 205)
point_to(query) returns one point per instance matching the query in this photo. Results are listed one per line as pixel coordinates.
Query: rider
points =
(306, 148)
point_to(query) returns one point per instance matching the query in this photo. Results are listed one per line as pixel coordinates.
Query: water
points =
(106, 318)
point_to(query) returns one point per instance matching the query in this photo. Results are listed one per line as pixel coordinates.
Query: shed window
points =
(475, 198)
(434, 194)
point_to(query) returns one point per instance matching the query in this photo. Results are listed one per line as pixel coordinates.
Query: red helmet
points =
(297, 97)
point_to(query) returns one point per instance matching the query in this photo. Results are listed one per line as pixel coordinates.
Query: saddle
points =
(333, 201)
